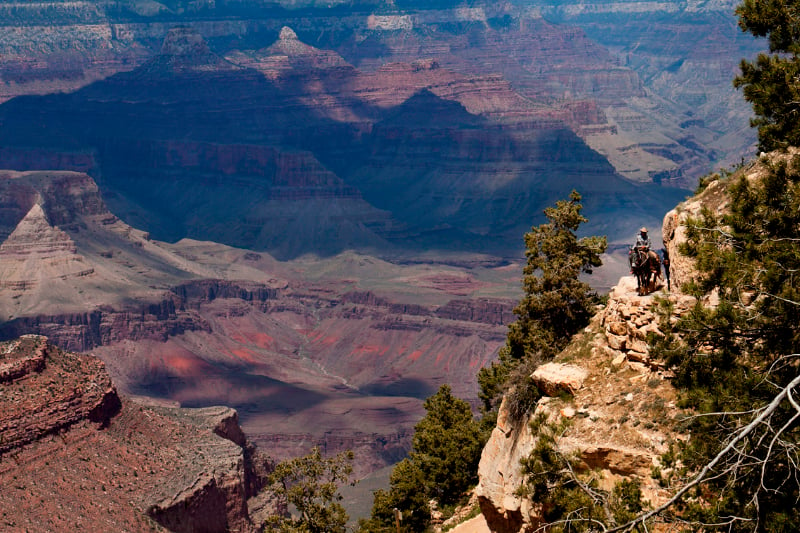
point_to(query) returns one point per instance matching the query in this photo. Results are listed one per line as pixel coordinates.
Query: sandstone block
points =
(617, 342)
(554, 378)
(617, 328)
(639, 357)
(638, 345)
(610, 352)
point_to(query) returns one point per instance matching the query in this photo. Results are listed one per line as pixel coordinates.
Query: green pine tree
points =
(442, 465)
(732, 360)
(556, 304)
(770, 82)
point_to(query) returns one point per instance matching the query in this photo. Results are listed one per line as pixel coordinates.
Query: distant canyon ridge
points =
(374, 126)
(315, 213)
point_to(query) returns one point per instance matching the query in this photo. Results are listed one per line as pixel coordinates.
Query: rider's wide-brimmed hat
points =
(643, 230)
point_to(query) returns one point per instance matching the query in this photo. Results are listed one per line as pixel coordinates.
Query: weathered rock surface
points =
(500, 475)
(74, 455)
(554, 378)
(28, 414)
(620, 405)
(35, 249)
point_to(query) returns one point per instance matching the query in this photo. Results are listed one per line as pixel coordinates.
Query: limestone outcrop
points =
(74, 455)
(618, 403)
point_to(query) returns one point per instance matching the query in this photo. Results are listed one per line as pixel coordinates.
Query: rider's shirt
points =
(643, 242)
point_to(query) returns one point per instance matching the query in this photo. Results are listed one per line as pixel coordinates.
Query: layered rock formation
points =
(658, 74)
(34, 249)
(338, 352)
(391, 178)
(75, 455)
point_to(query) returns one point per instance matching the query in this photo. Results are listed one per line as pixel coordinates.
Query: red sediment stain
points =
(244, 354)
(415, 355)
(237, 337)
(182, 365)
(370, 349)
(262, 340)
(257, 338)
(330, 340)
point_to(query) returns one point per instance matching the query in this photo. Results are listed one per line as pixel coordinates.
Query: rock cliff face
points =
(78, 456)
(619, 410)
(659, 73)
(35, 247)
(86, 394)
(620, 401)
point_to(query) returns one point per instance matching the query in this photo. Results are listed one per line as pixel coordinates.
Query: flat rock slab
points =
(555, 378)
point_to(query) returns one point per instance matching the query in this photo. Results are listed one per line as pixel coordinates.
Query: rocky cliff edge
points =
(619, 402)
(76, 456)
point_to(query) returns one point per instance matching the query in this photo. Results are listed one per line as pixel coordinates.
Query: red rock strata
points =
(74, 456)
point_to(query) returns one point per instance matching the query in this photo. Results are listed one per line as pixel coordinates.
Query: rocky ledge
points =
(75, 456)
(618, 403)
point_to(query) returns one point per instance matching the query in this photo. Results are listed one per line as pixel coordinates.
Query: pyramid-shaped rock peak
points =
(287, 33)
(304, 55)
(184, 49)
(35, 235)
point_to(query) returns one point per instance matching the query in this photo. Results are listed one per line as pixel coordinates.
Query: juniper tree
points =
(556, 304)
(442, 465)
(771, 82)
(311, 484)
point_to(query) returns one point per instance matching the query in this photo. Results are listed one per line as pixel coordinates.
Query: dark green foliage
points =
(556, 304)
(406, 495)
(447, 447)
(442, 465)
(311, 485)
(733, 359)
(770, 81)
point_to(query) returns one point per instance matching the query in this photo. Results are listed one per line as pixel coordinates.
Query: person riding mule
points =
(642, 240)
(644, 262)
(643, 244)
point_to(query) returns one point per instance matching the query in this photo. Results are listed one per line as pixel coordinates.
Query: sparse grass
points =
(580, 349)
(474, 511)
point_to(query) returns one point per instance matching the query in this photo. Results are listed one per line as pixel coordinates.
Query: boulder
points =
(555, 378)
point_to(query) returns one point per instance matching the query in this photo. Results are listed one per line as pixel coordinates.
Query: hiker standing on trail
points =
(665, 263)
